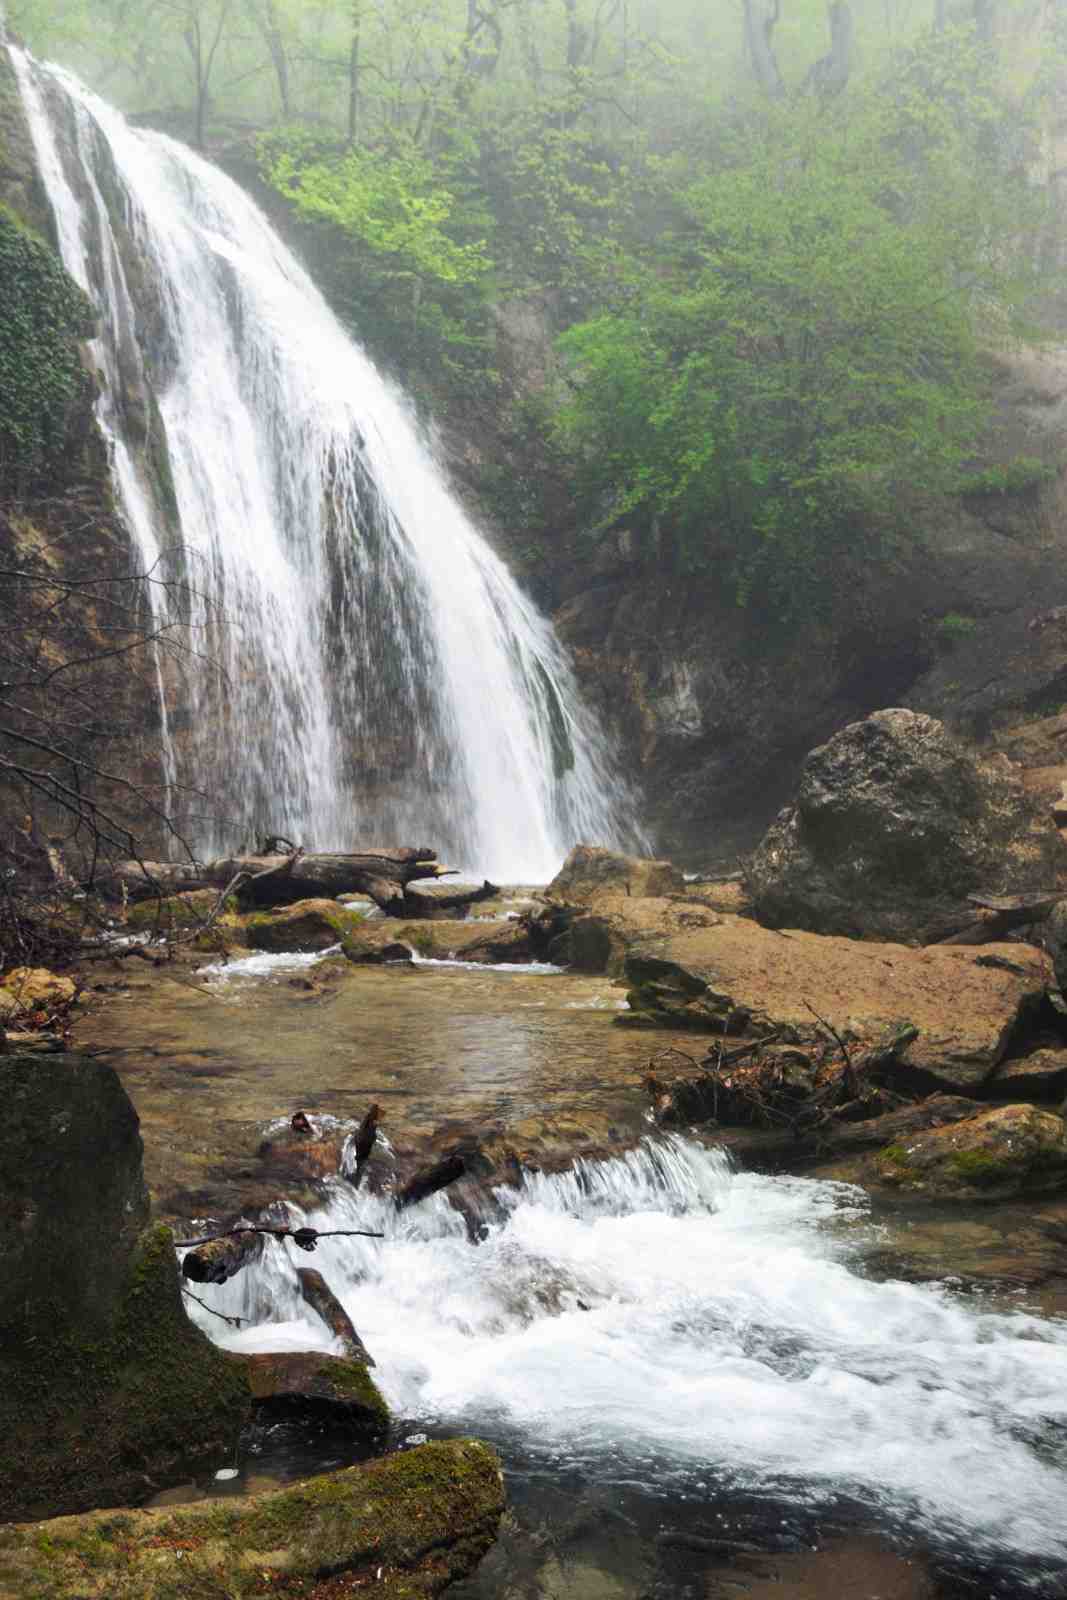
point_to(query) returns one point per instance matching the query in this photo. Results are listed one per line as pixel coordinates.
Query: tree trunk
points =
(280, 880)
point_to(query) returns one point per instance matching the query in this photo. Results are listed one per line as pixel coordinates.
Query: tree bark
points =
(281, 880)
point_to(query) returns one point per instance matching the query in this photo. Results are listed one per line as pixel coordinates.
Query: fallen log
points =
(221, 1259)
(277, 880)
(428, 1180)
(321, 1298)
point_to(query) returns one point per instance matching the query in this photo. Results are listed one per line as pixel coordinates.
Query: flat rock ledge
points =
(404, 1526)
(735, 977)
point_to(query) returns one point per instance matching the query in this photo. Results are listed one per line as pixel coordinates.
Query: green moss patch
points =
(42, 382)
(421, 1519)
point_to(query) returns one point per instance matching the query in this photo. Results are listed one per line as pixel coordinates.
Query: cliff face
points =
(65, 600)
(714, 705)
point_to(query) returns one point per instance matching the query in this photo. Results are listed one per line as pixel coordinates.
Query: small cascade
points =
(364, 668)
(662, 1319)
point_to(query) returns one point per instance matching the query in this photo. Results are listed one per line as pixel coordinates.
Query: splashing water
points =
(661, 1318)
(376, 675)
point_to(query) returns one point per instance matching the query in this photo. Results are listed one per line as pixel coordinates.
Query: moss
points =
(353, 1379)
(173, 911)
(423, 1518)
(986, 1167)
(43, 384)
(85, 1419)
(896, 1155)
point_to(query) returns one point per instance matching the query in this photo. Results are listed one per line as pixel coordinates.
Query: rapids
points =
(664, 1321)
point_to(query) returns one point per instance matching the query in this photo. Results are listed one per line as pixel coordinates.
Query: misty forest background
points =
(775, 242)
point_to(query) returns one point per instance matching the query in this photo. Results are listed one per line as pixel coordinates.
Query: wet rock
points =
(876, 1132)
(998, 1155)
(894, 824)
(307, 925)
(317, 1386)
(738, 975)
(423, 1518)
(508, 943)
(105, 1384)
(590, 871)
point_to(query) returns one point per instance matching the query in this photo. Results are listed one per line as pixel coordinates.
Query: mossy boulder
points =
(324, 1387)
(106, 1387)
(307, 925)
(998, 1155)
(177, 913)
(405, 1526)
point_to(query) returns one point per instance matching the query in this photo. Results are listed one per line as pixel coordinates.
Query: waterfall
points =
(364, 670)
(663, 1319)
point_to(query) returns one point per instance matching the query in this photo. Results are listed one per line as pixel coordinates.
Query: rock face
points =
(422, 1519)
(738, 977)
(590, 871)
(105, 1385)
(894, 824)
(1014, 1150)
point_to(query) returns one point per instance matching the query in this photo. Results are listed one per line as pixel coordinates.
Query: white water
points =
(729, 1341)
(378, 676)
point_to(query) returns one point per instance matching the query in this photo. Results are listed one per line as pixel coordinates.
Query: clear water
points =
(669, 1324)
(365, 669)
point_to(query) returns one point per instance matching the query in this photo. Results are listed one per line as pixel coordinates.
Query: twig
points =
(306, 1238)
(235, 1322)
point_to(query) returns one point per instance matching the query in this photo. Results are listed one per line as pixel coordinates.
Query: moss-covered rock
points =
(178, 912)
(306, 925)
(998, 1155)
(27, 989)
(407, 1525)
(312, 1384)
(106, 1387)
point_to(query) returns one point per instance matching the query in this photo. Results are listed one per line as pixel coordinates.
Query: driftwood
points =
(321, 1298)
(219, 1259)
(278, 880)
(428, 1180)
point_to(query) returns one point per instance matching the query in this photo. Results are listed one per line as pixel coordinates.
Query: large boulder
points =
(590, 871)
(893, 826)
(408, 1525)
(736, 977)
(106, 1387)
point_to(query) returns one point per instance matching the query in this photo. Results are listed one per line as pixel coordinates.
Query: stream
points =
(681, 1362)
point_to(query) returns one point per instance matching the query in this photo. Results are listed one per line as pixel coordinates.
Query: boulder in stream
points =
(307, 925)
(590, 871)
(893, 825)
(406, 1525)
(106, 1387)
(998, 1155)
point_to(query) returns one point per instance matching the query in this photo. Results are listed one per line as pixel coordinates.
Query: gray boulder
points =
(894, 824)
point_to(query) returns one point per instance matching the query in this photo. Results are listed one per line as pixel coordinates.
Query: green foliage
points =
(403, 261)
(1021, 475)
(44, 314)
(803, 354)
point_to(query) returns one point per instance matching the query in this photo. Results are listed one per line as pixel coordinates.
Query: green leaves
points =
(801, 359)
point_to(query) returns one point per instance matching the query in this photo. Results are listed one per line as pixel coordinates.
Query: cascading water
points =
(366, 671)
(663, 1319)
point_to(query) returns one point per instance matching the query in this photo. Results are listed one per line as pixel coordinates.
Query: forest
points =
(776, 241)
